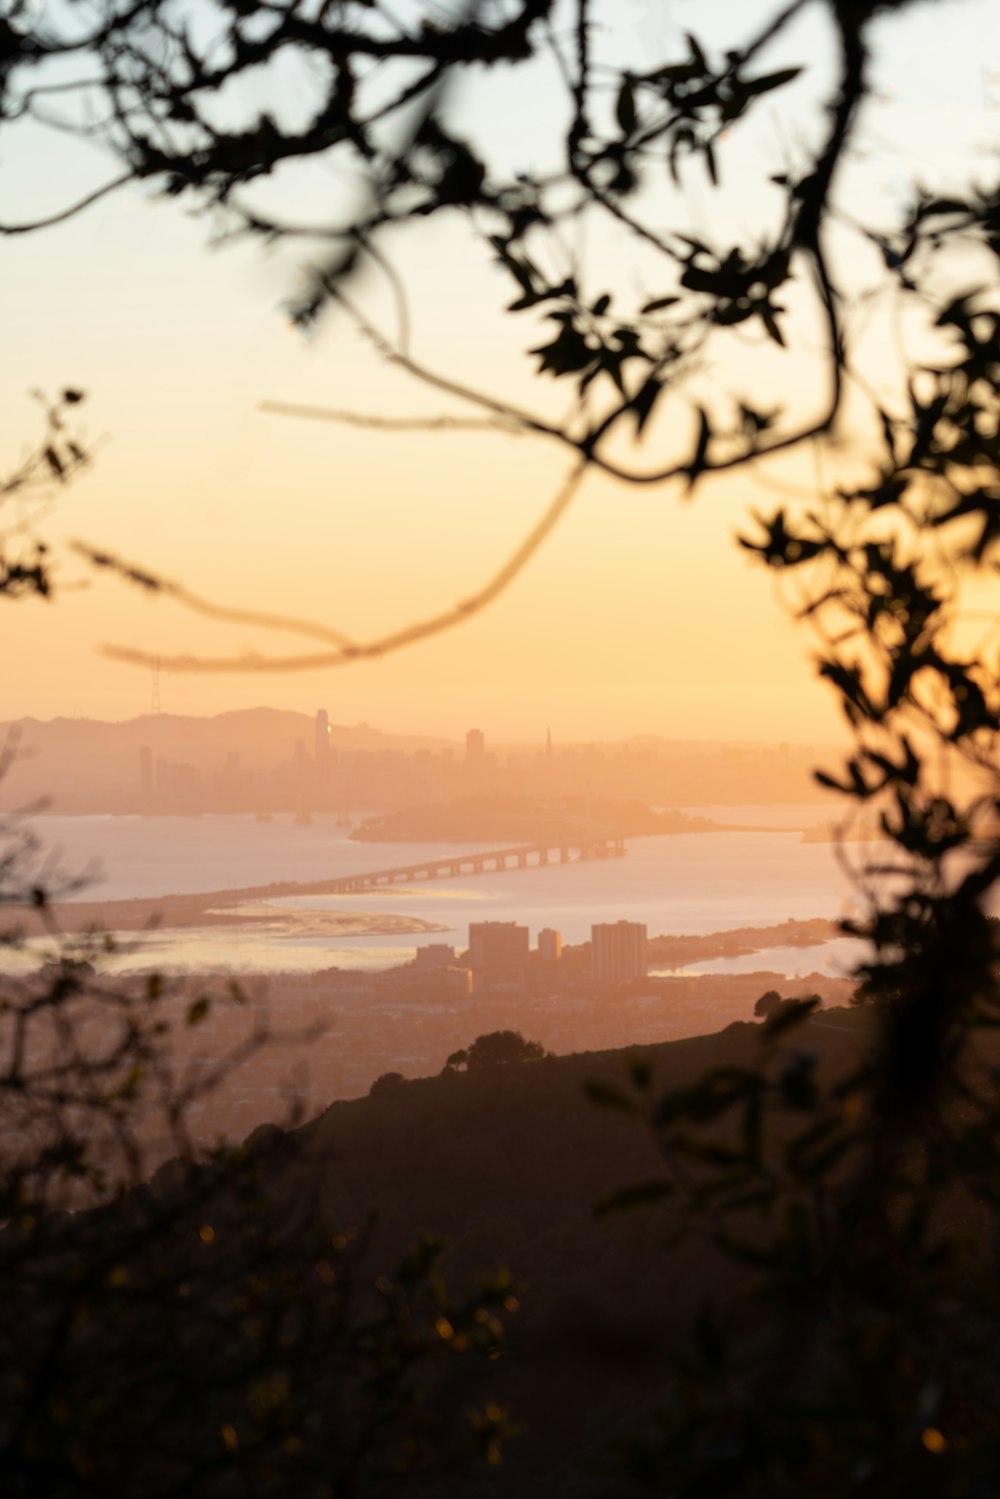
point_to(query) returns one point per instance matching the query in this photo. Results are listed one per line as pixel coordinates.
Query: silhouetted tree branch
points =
(56, 459)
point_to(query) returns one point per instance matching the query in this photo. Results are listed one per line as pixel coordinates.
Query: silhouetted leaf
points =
(625, 107)
(644, 402)
(768, 81)
(698, 462)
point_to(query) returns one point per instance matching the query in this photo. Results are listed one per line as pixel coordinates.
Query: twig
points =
(382, 645)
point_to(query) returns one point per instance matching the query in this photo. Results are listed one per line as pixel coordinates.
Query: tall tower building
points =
(549, 945)
(323, 753)
(618, 951)
(499, 947)
(321, 737)
(475, 747)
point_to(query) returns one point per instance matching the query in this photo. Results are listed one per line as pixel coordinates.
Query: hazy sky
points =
(639, 615)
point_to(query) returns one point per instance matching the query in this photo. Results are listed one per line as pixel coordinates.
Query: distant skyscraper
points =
(618, 951)
(498, 946)
(435, 955)
(548, 744)
(549, 945)
(324, 755)
(321, 737)
(475, 746)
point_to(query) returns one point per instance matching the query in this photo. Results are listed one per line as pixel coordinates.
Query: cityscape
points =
(265, 763)
(317, 776)
(334, 1032)
(526, 811)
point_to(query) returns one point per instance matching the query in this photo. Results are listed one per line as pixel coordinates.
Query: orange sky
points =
(640, 615)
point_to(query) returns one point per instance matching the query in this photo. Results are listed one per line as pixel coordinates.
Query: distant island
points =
(739, 941)
(502, 819)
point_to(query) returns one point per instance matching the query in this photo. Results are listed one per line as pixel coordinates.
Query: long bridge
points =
(527, 856)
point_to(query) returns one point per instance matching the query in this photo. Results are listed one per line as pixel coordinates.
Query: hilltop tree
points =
(497, 1049)
(387, 1083)
(767, 1004)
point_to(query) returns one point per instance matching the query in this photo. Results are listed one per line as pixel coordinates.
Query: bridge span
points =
(527, 856)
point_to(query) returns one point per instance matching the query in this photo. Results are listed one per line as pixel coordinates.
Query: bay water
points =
(757, 872)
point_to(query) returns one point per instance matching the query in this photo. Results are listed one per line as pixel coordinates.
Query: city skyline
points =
(500, 736)
(269, 760)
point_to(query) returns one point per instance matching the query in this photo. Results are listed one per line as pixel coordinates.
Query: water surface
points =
(688, 883)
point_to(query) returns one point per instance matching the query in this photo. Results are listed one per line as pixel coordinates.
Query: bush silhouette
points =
(387, 1082)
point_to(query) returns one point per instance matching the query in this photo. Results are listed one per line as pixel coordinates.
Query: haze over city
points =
(349, 870)
(266, 759)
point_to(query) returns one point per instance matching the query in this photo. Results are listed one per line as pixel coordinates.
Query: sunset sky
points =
(639, 615)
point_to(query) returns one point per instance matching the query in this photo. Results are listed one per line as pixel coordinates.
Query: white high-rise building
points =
(618, 951)
(549, 945)
(498, 946)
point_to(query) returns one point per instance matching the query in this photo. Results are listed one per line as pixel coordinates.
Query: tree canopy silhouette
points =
(496, 1049)
(767, 1004)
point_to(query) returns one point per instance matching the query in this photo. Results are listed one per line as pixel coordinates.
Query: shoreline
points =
(251, 908)
(214, 908)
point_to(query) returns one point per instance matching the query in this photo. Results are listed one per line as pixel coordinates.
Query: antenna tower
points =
(155, 705)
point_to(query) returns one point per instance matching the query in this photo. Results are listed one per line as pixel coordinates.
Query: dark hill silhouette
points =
(509, 1165)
